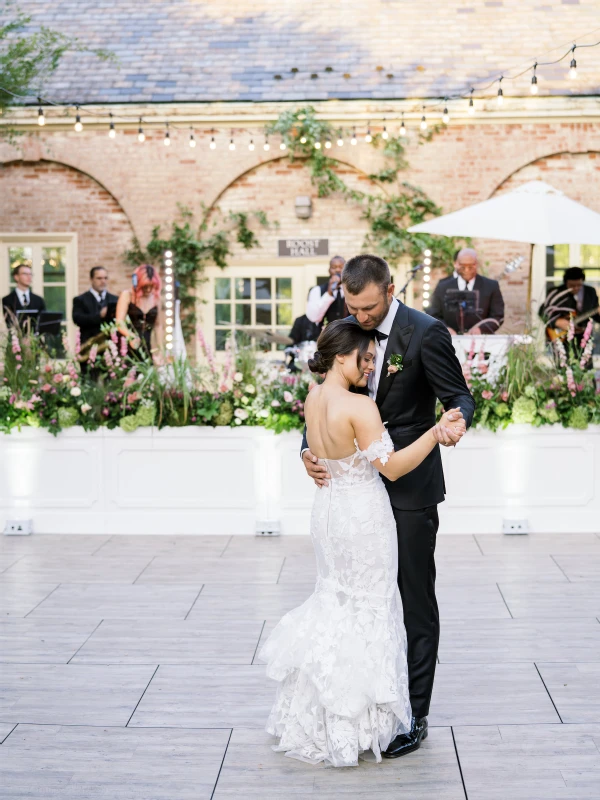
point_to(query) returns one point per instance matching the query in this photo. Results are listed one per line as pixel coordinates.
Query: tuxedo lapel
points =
(397, 344)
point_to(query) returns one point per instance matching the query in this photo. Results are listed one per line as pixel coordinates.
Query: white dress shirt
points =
(462, 284)
(317, 304)
(380, 347)
(24, 296)
(99, 297)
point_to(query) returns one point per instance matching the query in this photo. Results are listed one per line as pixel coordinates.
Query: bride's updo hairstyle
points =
(339, 338)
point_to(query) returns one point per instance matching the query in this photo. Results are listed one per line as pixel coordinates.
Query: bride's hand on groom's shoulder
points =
(451, 428)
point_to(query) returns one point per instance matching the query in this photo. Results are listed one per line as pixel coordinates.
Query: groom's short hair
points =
(359, 271)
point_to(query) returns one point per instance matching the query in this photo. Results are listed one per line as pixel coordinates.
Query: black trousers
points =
(417, 532)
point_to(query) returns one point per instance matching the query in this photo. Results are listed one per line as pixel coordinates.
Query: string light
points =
(368, 137)
(192, 138)
(213, 144)
(402, 127)
(231, 144)
(111, 128)
(169, 313)
(353, 140)
(534, 82)
(251, 145)
(317, 145)
(282, 146)
(384, 134)
(328, 143)
(141, 134)
(446, 115)
(167, 139)
(340, 141)
(423, 121)
(41, 117)
(500, 99)
(471, 104)
(266, 145)
(573, 65)
(78, 124)
(303, 140)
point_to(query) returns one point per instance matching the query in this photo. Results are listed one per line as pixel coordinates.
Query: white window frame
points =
(37, 241)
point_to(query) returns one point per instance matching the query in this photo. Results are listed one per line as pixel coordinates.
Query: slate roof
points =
(203, 50)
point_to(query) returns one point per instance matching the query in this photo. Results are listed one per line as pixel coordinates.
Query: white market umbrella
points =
(535, 213)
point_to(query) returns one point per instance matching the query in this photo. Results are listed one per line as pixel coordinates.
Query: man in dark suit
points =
(94, 307)
(489, 314)
(406, 401)
(571, 299)
(21, 298)
(326, 303)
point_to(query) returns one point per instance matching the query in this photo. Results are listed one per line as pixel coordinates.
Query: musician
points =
(490, 311)
(304, 330)
(573, 298)
(92, 308)
(326, 303)
(21, 298)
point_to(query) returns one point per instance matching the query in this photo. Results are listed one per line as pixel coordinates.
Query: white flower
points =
(85, 408)
(241, 414)
(288, 397)
(275, 403)
(238, 421)
(264, 413)
(76, 391)
(238, 377)
(66, 378)
(245, 400)
(249, 388)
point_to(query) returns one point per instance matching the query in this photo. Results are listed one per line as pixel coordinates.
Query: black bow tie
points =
(381, 337)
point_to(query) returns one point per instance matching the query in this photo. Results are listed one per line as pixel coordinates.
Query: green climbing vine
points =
(195, 246)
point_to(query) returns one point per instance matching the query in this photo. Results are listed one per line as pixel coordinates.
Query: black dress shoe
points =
(407, 742)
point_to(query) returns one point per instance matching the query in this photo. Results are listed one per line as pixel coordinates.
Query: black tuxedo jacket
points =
(86, 313)
(12, 303)
(407, 399)
(491, 304)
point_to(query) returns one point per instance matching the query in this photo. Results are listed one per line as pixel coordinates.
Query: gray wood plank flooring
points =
(128, 669)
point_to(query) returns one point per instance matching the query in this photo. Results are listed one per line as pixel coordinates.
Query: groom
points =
(428, 369)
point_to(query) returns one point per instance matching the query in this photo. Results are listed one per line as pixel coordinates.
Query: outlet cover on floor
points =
(515, 526)
(18, 527)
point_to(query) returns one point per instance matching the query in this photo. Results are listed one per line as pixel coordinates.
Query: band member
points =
(573, 299)
(92, 308)
(489, 314)
(21, 298)
(326, 302)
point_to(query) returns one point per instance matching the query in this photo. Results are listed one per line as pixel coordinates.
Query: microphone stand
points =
(411, 277)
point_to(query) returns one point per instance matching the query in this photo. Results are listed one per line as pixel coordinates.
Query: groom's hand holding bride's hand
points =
(318, 472)
(451, 428)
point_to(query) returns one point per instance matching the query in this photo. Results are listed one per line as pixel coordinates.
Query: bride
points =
(340, 658)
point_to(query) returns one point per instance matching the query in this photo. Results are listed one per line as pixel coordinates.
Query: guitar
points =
(553, 333)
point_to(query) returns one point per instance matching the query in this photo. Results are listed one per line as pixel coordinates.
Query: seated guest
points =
(490, 303)
(303, 330)
(572, 299)
(92, 308)
(21, 298)
(326, 303)
(140, 306)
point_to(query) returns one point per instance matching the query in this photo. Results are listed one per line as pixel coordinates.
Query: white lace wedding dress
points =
(340, 657)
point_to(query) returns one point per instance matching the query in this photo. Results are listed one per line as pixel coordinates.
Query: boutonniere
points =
(394, 364)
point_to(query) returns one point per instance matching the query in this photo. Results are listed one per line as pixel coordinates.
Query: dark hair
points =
(19, 267)
(574, 274)
(362, 270)
(95, 269)
(339, 338)
(336, 258)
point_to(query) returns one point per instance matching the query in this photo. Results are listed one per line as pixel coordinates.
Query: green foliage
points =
(27, 58)
(194, 246)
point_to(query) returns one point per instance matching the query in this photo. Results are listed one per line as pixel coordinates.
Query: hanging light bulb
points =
(500, 98)
(353, 140)
(141, 134)
(384, 133)
(328, 144)
(282, 146)
(78, 123)
(192, 139)
(231, 144)
(167, 139)
(251, 145)
(368, 137)
(534, 83)
(303, 140)
(445, 116)
(471, 104)
(402, 127)
(317, 145)
(340, 141)
(423, 121)
(266, 145)
(573, 65)
(213, 144)
(111, 129)
(41, 117)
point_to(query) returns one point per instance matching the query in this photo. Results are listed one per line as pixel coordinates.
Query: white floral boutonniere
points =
(394, 364)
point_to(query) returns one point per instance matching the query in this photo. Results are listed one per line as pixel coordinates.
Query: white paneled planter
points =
(223, 481)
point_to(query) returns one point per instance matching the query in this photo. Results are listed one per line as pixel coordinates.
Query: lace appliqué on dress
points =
(380, 449)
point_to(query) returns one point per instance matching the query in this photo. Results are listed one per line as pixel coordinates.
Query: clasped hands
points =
(451, 428)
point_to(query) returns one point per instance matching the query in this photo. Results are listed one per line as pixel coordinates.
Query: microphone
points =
(417, 268)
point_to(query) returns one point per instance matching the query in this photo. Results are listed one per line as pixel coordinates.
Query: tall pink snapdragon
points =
(78, 342)
(571, 331)
(123, 347)
(571, 385)
(561, 352)
(16, 345)
(93, 354)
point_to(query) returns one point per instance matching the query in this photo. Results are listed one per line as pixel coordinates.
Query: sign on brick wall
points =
(303, 248)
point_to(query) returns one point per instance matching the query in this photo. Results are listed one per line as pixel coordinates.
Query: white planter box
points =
(223, 480)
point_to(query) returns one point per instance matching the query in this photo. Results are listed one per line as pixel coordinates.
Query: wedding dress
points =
(340, 657)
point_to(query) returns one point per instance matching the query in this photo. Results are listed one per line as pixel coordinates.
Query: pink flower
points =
(133, 397)
(571, 385)
(487, 395)
(47, 368)
(93, 354)
(587, 333)
(571, 331)
(123, 347)
(58, 378)
(46, 387)
(288, 397)
(16, 347)
(392, 369)
(114, 336)
(78, 341)
(504, 396)
(106, 412)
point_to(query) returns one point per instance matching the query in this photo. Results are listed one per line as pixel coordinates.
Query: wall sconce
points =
(303, 206)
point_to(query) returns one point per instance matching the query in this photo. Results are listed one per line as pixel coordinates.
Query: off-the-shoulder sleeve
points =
(380, 449)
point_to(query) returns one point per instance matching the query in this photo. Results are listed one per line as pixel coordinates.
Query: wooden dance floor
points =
(128, 670)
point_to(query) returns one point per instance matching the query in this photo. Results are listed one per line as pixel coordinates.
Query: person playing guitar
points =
(573, 299)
